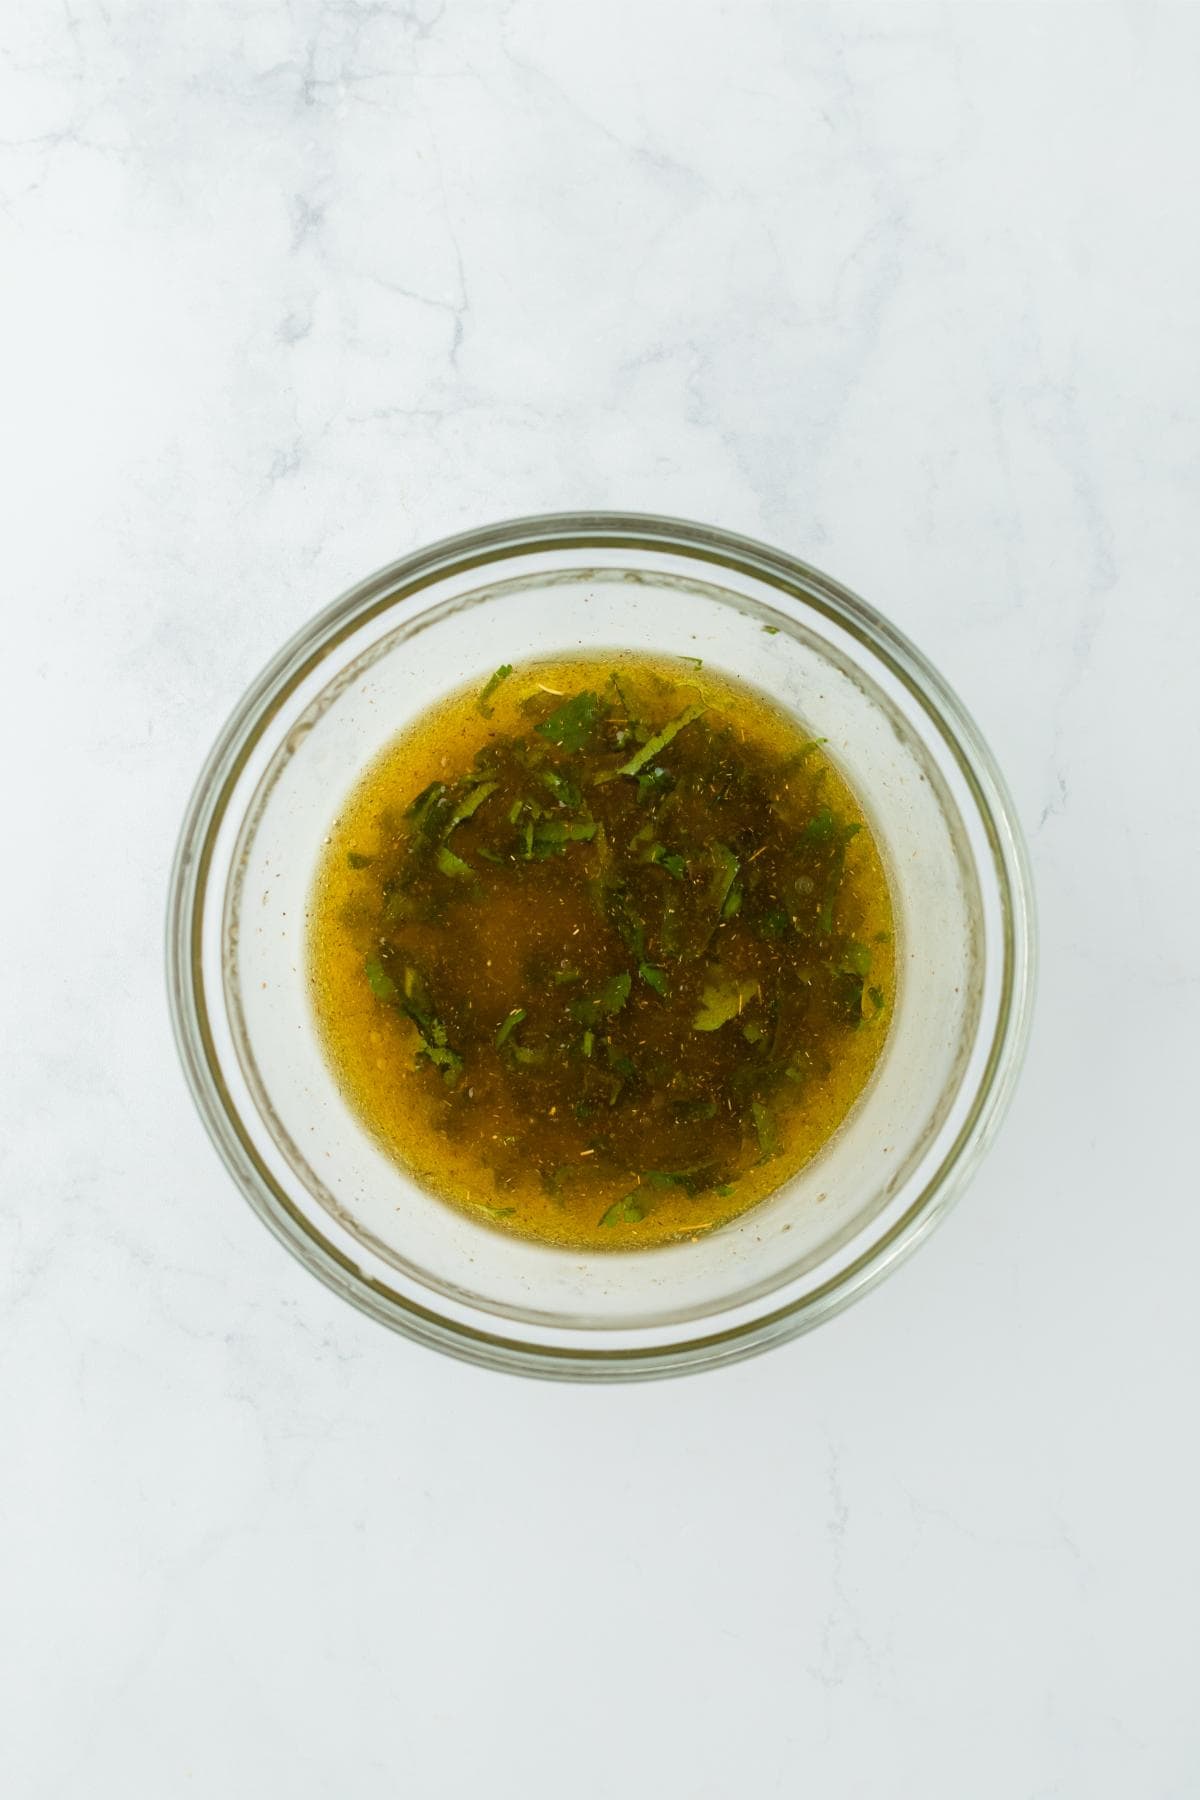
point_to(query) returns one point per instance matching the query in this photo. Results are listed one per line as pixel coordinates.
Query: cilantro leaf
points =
(615, 992)
(510, 1025)
(425, 810)
(670, 860)
(382, 985)
(726, 866)
(550, 837)
(489, 688)
(470, 804)
(764, 1127)
(564, 790)
(452, 865)
(722, 998)
(653, 783)
(658, 742)
(571, 727)
(624, 1212)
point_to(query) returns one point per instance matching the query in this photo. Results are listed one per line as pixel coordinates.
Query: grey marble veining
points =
(291, 287)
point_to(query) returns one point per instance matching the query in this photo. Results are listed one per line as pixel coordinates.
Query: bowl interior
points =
(375, 675)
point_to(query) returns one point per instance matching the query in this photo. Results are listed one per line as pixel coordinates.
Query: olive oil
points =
(602, 952)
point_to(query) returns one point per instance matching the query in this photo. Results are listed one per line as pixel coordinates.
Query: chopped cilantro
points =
(425, 809)
(653, 978)
(453, 865)
(624, 1212)
(856, 958)
(470, 803)
(653, 783)
(725, 868)
(775, 923)
(550, 837)
(563, 789)
(510, 1025)
(489, 688)
(764, 1127)
(670, 860)
(821, 827)
(722, 997)
(615, 993)
(846, 994)
(571, 727)
(357, 861)
(659, 741)
(382, 985)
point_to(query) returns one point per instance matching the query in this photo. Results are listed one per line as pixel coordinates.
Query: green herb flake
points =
(571, 727)
(775, 923)
(846, 994)
(722, 997)
(771, 630)
(764, 1128)
(416, 1005)
(628, 1211)
(424, 810)
(670, 860)
(654, 978)
(615, 993)
(382, 985)
(725, 869)
(821, 828)
(563, 789)
(470, 804)
(564, 977)
(454, 866)
(657, 743)
(510, 1025)
(856, 958)
(653, 784)
(489, 688)
(550, 837)
(357, 861)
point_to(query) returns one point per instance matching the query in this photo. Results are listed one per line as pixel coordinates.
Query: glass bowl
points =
(449, 615)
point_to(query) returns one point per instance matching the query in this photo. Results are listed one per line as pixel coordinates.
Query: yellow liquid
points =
(602, 1009)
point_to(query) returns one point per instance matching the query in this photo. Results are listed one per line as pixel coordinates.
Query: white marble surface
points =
(291, 286)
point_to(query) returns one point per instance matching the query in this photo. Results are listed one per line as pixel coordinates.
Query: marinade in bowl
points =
(603, 952)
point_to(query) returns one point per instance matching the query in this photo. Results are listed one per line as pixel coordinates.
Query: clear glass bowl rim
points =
(391, 586)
